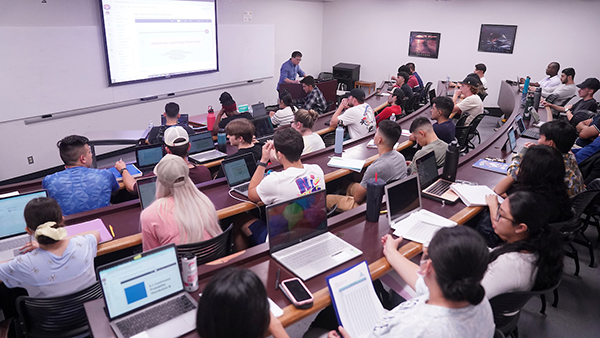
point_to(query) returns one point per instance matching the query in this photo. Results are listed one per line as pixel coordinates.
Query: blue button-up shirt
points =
(288, 71)
(81, 189)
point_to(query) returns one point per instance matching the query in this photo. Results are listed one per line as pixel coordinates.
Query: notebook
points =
(146, 191)
(182, 120)
(264, 128)
(202, 148)
(144, 293)
(405, 215)
(299, 239)
(473, 195)
(132, 169)
(147, 157)
(12, 224)
(238, 172)
(435, 188)
(524, 132)
(95, 224)
(259, 109)
(497, 167)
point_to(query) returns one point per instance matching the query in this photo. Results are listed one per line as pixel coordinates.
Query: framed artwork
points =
(424, 44)
(497, 38)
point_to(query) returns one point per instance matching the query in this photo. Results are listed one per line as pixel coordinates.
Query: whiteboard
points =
(49, 70)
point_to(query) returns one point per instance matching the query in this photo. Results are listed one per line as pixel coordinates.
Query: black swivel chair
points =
(425, 93)
(209, 250)
(462, 138)
(473, 130)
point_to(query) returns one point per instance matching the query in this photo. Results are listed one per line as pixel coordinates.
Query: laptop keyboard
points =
(439, 188)
(531, 133)
(14, 243)
(155, 316)
(242, 187)
(313, 253)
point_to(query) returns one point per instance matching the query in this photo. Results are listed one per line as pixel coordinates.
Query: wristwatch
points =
(122, 170)
(259, 163)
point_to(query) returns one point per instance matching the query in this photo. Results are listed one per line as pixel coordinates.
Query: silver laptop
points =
(259, 110)
(238, 172)
(144, 293)
(299, 239)
(12, 223)
(402, 198)
(523, 131)
(434, 187)
(202, 148)
(146, 191)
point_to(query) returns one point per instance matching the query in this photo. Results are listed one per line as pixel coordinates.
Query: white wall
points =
(39, 140)
(375, 34)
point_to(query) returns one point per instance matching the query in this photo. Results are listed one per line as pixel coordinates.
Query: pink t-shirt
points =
(158, 231)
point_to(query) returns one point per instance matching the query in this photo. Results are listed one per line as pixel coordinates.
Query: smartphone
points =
(297, 293)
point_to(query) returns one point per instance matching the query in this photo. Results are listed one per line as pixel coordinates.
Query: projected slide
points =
(147, 39)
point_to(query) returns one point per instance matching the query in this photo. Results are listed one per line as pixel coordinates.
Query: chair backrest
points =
(58, 317)
(425, 92)
(209, 250)
(461, 120)
(411, 103)
(475, 122)
(462, 136)
(416, 102)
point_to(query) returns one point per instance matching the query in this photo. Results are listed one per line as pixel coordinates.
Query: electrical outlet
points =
(30, 159)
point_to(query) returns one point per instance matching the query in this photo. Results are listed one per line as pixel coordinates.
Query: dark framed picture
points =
(497, 38)
(424, 44)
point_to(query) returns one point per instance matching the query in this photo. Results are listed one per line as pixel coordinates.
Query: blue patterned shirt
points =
(288, 71)
(81, 189)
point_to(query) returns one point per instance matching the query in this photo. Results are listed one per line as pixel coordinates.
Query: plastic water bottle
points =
(222, 141)
(339, 138)
(150, 125)
(393, 118)
(210, 119)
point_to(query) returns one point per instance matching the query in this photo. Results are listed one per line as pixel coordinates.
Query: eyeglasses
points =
(498, 216)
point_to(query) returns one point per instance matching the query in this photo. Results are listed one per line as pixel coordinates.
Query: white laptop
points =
(299, 239)
(144, 295)
(202, 148)
(238, 172)
(12, 223)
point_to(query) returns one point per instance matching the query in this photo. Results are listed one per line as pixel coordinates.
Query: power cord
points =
(246, 201)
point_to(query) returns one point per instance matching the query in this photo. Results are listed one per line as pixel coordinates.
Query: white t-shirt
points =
(471, 105)
(360, 120)
(290, 183)
(562, 92)
(283, 116)
(512, 271)
(312, 142)
(483, 81)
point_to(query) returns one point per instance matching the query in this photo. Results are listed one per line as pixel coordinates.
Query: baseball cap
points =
(591, 83)
(471, 80)
(172, 171)
(176, 133)
(398, 92)
(357, 94)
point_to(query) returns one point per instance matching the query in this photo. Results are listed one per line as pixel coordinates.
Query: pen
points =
(277, 279)
(111, 230)
(383, 212)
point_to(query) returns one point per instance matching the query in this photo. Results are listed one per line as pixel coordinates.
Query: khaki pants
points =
(344, 203)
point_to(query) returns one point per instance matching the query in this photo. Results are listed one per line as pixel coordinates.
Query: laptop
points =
(524, 132)
(146, 191)
(202, 148)
(144, 292)
(12, 224)
(264, 128)
(238, 172)
(182, 120)
(512, 141)
(147, 157)
(299, 239)
(435, 188)
(259, 110)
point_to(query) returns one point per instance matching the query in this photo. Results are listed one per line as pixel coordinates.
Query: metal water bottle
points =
(525, 90)
(222, 141)
(537, 95)
(189, 272)
(339, 138)
(210, 119)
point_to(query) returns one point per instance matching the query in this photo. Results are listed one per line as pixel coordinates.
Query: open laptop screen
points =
(12, 221)
(263, 126)
(296, 220)
(184, 119)
(402, 198)
(259, 110)
(427, 169)
(238, 169)
(520, 124)
(149, 156)
(140, 280)
(512, 139)
(147, 191)
(201, 142)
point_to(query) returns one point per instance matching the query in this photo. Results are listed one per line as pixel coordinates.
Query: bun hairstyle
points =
(459, 257)
(306, 118)
(40, 211)
(233, 305)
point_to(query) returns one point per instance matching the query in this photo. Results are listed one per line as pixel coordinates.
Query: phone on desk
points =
(297, 293)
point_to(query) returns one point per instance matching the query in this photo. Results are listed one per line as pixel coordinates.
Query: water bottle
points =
(222, 141)
(150, 125)
(393, 118)
(189, 272)
(536, 98)
(451, 162)
(339, 138)
(447, 85)
(525, 90)
(210, 119)
(528, 103)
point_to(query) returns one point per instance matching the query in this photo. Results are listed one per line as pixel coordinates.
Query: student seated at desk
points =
(156, 134)
(79, 187)
(357, 115)
(228, 108)
(401, 80)
(579, 111)
(240, 134)
(285, 115)
(314, 99)
(304, 120)
(451, 300)
(444, 128)
(413, 72)
(234, 304)
(390, 166)
(180, 214)
(421, 131)
(471, 104)
(395, 100)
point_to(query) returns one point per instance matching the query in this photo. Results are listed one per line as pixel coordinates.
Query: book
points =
(346, 163)
(354, 299)
(497, 167)
(473, 195)
(133, 170)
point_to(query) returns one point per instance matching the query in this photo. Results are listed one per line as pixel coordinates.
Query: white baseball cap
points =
(176, 133)
(172, 170)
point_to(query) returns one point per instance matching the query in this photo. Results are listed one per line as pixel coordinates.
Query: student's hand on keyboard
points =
(529, 144)
(29, 246)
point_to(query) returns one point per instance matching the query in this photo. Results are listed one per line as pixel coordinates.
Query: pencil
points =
(112, 232)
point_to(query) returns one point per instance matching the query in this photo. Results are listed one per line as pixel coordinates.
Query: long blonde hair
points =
(193, 211)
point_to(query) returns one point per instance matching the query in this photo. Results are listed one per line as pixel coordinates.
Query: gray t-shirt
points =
(438, 146)
(390, 166)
